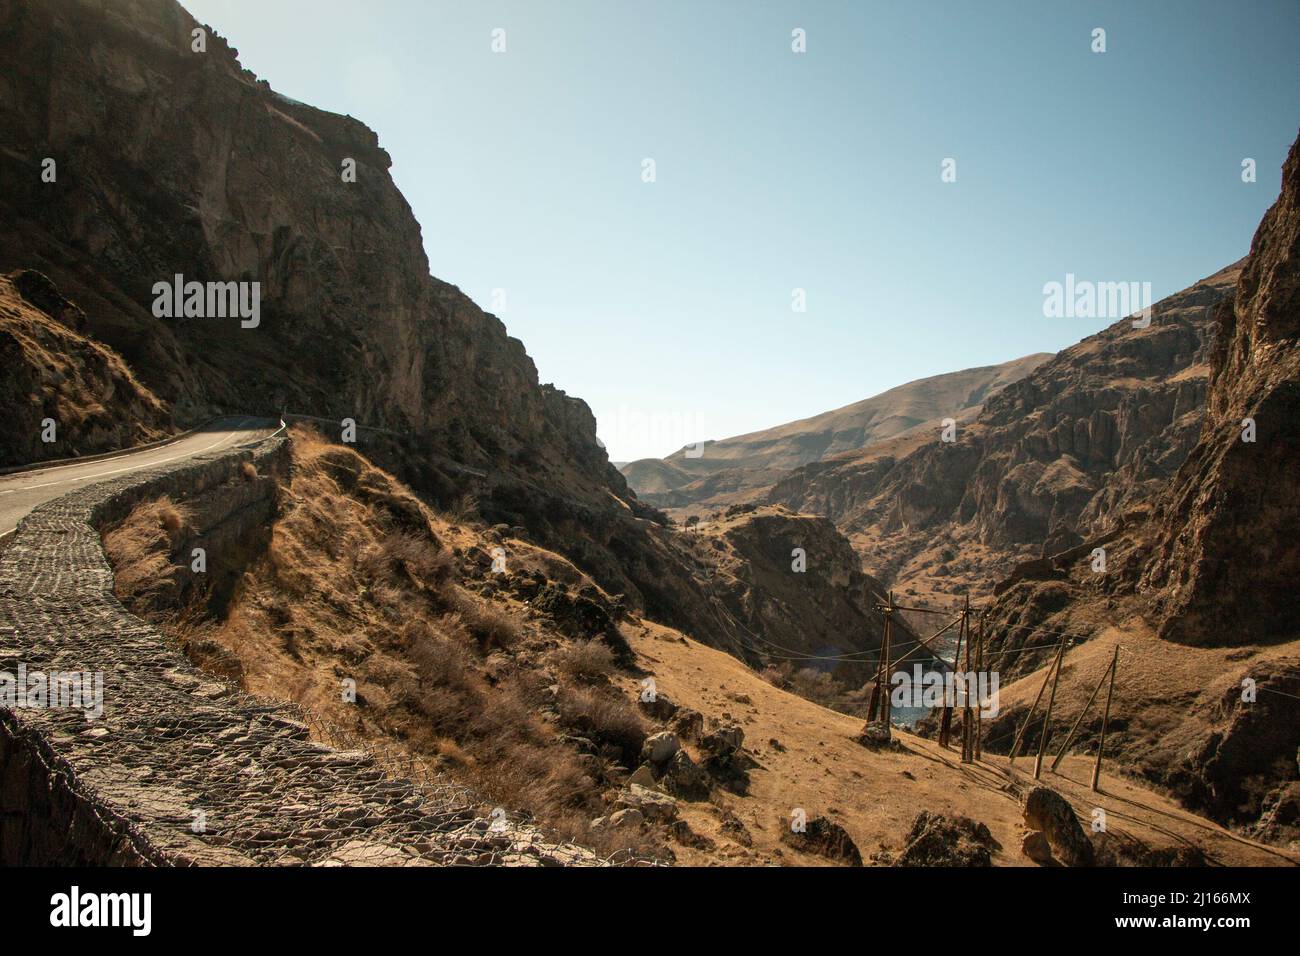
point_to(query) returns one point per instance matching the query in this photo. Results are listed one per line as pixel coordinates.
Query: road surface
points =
(21, 492)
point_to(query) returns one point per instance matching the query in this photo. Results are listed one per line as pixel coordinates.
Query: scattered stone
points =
(659, 748)
(939, 840)
(630, 817)
(825, 838)
(643, 777)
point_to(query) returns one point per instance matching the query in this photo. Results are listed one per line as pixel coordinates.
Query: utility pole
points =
(945, 722)
(1047, 715)
(979, 704)
(1105, 720)
(889, 633)
(1015, 747)
(967, 721)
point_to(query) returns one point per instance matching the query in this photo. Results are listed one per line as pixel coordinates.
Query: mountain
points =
(1061, 454)
(702, 475)
(131, 156)
(1197, 589)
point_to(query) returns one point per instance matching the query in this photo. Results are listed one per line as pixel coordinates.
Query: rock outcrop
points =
(170, 160)
(1226, 559)
(54, 374)
(1059, 456)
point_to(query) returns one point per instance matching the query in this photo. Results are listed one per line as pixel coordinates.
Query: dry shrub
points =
(606, 716)
(584, 660)
(140, 548)
(489, 625)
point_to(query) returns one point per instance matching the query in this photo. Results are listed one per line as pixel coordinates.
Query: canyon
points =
(492, 595)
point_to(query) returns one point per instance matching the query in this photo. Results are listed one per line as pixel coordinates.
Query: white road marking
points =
(237, 432)
(118, 471)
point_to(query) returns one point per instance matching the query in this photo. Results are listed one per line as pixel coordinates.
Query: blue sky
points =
(667, 305)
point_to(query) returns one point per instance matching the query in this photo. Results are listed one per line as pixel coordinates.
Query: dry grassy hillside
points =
(529, 685)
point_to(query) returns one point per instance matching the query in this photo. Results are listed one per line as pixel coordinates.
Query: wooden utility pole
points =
(1079, 720)
(1015, 747)
(889, 633)
(1047, 714)
(967, 721)
(1105, 720)
(945, 723)
(979, 704)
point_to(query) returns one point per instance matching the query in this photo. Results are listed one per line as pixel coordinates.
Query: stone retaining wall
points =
(182, 769)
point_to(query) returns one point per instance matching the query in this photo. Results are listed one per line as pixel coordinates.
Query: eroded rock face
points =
(1061, 454)
(52, 372)
(1226, 559)
(171, 161)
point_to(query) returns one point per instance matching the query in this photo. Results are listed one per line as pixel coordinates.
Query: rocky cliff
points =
(1226, 559)
(1051, 459)
(1197, 585)
(131, 156)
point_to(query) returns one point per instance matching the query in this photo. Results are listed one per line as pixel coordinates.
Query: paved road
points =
(20, 493)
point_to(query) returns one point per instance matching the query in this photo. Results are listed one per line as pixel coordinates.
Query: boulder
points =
(652, 804)
(685, 779)
(823, 837)
(1048, 811)
(659, 748)
(875, 735)
(938, 840)
(1036, 847)
(723, 742)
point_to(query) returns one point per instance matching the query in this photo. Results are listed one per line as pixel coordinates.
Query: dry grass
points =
(606, 716)
(140, 549)
(248, 470)
(584, 660)
(359, 581)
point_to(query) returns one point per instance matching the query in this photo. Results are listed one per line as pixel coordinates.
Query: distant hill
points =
(728, 468)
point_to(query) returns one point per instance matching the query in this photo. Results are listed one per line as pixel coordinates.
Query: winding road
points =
(22, 491)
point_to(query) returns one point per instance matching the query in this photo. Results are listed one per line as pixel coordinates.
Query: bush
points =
(606, 716)
(584, 660)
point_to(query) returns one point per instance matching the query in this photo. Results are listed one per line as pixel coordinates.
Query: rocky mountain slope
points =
(53, 373)
(529, 685)
(1197, 586)
(1063, 453)
(169, 160)
(721, 469)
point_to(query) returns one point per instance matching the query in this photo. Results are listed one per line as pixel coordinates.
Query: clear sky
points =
(667, 305)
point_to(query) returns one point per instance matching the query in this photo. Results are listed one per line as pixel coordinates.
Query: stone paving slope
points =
(172, 742)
